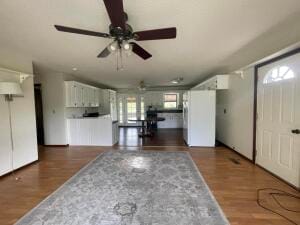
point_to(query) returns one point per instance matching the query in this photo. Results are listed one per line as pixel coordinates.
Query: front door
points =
(278, 118)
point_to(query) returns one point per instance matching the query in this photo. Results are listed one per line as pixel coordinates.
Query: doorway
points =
(39, 114)
(130, 107)
(278, 117)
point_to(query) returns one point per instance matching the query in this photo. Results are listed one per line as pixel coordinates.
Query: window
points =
(120, 110)
(142, 108)
(170, 101)
(131, 109)
(279, 74)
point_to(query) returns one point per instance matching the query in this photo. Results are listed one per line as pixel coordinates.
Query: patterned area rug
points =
(131, 188)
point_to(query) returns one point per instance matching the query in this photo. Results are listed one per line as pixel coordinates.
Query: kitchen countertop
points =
(95, 117)
(166, 111)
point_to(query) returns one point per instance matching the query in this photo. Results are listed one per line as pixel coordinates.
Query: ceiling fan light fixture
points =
(113, 46)
(126, 46)
(177, 80)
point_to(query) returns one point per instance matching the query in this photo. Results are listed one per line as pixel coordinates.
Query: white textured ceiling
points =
(208, 33)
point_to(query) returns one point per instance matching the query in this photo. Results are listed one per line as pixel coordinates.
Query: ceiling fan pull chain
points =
(119, 60)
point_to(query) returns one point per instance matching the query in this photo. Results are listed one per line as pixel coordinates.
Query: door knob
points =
(296, 131)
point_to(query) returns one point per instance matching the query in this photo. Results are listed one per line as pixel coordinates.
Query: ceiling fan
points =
(142, 86)
(122, 33)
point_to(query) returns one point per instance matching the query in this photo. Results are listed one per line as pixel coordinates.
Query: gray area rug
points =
(131, 188)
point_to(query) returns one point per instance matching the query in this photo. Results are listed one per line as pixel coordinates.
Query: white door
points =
(278, 118)
(131, 110)
(130, 107)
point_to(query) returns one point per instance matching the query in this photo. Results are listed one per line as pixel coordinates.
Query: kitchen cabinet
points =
(172, 120)
(109, 104)
(218, 82)
(199, 117)
(81, 95)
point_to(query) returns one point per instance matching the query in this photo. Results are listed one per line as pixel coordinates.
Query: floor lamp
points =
(9, 90)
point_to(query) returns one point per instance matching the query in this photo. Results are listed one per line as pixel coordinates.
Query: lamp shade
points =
(10, 88)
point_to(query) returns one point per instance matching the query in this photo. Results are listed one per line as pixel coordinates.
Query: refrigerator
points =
(199, 118)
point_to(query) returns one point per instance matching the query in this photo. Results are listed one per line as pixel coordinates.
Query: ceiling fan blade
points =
(116, 13)
(104, 53)
(165, 33)
(140, 51)
(80, 31)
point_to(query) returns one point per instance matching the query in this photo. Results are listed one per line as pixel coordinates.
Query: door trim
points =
(256, 67)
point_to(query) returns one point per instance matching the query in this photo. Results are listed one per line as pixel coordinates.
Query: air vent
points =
(235, 161)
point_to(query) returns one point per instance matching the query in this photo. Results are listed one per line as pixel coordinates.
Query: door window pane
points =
(121, 111)
(279, 74)
(142, 108)
(131, 109)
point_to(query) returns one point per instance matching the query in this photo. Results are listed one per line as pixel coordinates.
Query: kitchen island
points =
(92, 131)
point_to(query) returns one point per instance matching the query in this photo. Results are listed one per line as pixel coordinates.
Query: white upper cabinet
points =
(218, 82)
(81, 95)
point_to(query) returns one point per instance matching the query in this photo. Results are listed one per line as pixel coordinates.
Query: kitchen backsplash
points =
(78, 112)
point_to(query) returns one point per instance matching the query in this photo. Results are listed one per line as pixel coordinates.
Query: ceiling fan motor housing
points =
(119, 34)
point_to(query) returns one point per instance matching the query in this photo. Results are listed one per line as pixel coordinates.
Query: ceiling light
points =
(74, 69)
(177, 80)
(113, 46)
(126, 46)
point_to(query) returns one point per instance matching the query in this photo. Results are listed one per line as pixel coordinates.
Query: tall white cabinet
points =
(199, 118)
(109, 101)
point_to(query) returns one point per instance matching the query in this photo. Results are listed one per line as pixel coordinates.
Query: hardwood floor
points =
(233, 185)
(163, 137)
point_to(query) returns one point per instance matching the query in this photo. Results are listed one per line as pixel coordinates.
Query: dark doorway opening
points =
(39, 114)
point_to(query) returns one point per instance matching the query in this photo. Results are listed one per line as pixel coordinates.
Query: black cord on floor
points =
(273, 194)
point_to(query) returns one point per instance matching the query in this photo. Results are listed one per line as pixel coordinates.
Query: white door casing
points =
(125, 114)
(278, 114)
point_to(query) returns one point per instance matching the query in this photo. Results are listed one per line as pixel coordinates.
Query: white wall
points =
(23, 126)
(54, 110)
(154, 98)
(53, 98)
(235, 127)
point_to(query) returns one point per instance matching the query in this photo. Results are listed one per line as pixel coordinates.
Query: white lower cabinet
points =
(101, 131)
(115, 130)
(172, 120)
